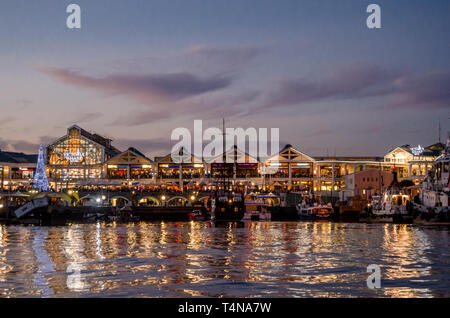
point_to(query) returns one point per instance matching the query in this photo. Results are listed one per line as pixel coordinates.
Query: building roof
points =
(433, 150)
(103, 141)
(139, 153)
(352, 158)
(129, 156)
(17, 157)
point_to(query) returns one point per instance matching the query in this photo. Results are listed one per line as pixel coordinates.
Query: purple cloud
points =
(19, 146)
(145, 88)
(204, 107)
(361, 81)
(430, 89)
(232, 104)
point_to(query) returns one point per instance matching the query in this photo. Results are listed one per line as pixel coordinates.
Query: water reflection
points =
(43, 263)
(258, 259)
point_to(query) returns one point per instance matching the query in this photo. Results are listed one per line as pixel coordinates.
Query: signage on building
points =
(417, 151)
(73, 156)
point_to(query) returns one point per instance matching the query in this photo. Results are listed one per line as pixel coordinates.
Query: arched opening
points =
(204, 199)
(119, 201)
(90, 200)
(177, 201)
(149, 201)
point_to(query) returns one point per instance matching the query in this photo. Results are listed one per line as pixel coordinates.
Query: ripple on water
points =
(195, 259)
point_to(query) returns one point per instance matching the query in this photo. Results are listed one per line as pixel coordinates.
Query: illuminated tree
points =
(40, 177)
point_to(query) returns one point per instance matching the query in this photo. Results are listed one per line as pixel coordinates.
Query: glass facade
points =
(75, 157)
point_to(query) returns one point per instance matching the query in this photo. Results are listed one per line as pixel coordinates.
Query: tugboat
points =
(257, 208)
(312, 210)
(432, 204)
(393, 204)
(226, 207)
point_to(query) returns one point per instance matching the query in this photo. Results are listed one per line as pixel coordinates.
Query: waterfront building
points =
(187, 168)
(130, 165)
(366, 183)
(330, 172)
(16, 170)
(78, 156)
(235, 165)
(290, 167)
(413, 162)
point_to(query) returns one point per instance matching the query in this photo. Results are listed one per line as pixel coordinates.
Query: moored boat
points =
(432, 202)
(259, 207)
(197, 215)
(393, 204)
(315, 212)
(227, 207)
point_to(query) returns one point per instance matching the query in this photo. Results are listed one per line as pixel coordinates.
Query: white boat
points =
(393, 201)
(30, 206)
(391, 204)
(435, 189)
(315, 212)
(257, 207)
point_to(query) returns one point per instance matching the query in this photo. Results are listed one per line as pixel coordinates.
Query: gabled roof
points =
(433, 150)
(101, 141)
(130, 156)
(235, 155)
(404, 148)
(290, 154)
(185, 156)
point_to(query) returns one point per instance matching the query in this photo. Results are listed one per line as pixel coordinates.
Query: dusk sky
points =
(138, 69)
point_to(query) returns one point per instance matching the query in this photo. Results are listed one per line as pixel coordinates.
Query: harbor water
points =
(240, 259)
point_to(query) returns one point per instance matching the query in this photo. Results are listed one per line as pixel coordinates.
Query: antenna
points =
(439, 131)
(223, 140)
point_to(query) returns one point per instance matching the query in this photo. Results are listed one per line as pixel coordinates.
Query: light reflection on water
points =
(254, 259)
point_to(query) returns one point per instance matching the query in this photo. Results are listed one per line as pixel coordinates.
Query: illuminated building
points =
(130, 164)
(290, 167)
(366, 183)
(235, 164)
(186, 167)
(413, 162)
(79, 155)
(80, 158)
(16, 170)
